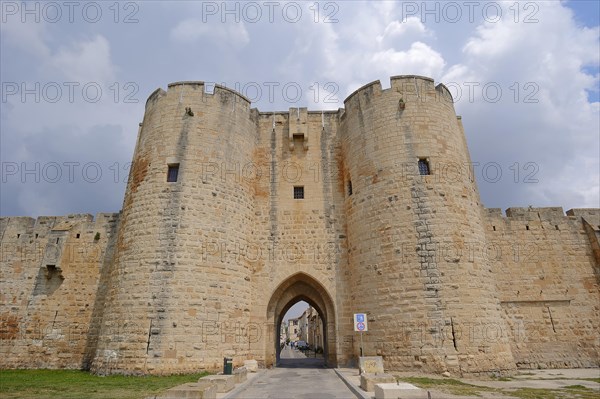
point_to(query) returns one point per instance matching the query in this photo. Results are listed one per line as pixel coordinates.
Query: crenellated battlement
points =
(543, 213)
(28, 230)
(194, 92)
(412, 88)
(217, 89)
(543, 219)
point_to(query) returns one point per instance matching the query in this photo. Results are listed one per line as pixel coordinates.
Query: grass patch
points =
(579, 387)
(74, 384)
(531, 393)
(570, 392)
(589, 379)
(456, 387)
(447, 385)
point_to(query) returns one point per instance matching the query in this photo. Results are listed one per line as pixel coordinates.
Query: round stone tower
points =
(417, 250)
(179, 294)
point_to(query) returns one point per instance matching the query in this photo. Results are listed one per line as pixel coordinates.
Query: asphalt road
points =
(297, 377)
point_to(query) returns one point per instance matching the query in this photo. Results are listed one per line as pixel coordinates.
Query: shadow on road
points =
(305, 363)
(295, 359)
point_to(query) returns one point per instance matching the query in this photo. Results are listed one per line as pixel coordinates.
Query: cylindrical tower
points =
(416, 234)
(179, 298)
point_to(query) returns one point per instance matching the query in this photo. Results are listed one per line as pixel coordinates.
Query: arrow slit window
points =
(172, 172)
(424, 167)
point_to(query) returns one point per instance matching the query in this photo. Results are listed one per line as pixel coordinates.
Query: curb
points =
(355, 390)
(239, 388)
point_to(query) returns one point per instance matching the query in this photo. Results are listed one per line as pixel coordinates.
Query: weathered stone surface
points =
(400, 390)
(50, 291)
(370, 364)
(240, 374)
(191, 390)
(223, 383)
(203, 268)
(251, 365)
(368, 381)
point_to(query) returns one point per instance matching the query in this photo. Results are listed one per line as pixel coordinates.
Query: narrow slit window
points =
(349, 187)
(424, 167)
(173, 172)
(299, 192)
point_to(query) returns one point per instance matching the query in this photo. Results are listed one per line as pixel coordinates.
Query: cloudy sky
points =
(75, 77)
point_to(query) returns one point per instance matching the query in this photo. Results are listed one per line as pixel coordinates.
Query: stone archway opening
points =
(301, 332)
(301, 287)
(302, 337)
(290, 329)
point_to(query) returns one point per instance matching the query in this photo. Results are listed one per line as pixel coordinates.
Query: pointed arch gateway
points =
(302, 287)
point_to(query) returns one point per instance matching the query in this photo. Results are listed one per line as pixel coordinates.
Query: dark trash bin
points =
(227, 365)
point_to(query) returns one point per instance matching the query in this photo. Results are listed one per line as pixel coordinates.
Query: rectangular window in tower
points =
(173, 172)
(424, 167)
(298, 192)
(349, 187)
(298, 141)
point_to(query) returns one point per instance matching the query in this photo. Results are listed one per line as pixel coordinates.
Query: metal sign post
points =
(360, 324)
(361, 345)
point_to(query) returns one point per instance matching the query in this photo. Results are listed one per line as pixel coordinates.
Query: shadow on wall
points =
(48, 280)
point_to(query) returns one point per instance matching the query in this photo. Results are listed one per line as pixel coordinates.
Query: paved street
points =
(297, 377)
(289, 353)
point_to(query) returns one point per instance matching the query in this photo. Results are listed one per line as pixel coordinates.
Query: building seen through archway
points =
(303, 332)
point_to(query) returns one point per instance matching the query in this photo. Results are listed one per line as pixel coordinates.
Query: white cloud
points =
(85, 61)
(371, 41)
(37, 130)
(27, 37)
(543, 62)
(351, 57)
(420, 59)
(194, 30)
(401, 31)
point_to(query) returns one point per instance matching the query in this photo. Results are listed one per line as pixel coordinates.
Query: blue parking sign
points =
(360, 322)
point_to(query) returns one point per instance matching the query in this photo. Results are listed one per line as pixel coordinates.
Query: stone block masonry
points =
(232, 215)
(51, 288)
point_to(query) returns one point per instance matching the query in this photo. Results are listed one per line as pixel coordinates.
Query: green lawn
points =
(71, 384)
(448, 385)
(456, 387)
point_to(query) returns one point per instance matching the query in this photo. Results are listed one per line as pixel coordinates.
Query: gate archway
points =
(301, 287)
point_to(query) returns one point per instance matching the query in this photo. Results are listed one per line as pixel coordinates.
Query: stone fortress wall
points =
(50, 288)
(547, 268)
(205, 267)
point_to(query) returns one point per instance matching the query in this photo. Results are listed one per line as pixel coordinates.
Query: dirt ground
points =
(526, 384)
